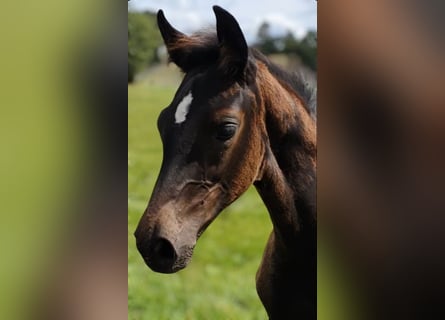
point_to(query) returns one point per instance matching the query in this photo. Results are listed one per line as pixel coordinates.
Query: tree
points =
(143, 40)
(307, 49)
(266, 43)
(290, 43)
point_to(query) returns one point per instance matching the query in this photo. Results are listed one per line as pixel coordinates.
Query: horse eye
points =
(225, 131)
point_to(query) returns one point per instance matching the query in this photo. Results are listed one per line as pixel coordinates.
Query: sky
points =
(188, 16)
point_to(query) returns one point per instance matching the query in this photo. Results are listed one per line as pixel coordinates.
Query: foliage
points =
(266, 42)
(306, 48)
(143, 40)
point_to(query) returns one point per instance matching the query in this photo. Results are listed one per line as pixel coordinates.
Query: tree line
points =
(306, 48)
(144, 39)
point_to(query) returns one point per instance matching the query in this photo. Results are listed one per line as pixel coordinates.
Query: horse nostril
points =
(164, 252)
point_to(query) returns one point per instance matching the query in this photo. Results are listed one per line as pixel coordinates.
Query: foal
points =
(236, 120)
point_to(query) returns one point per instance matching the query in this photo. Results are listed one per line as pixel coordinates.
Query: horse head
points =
(212, 138)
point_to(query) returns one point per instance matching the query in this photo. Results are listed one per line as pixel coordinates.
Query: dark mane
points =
(203, 49)
(297, 81)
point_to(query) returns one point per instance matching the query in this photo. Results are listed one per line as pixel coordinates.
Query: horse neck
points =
(287, 185)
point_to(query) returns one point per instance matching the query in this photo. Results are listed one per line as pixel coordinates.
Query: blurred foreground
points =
(381, 155)
(64, 161)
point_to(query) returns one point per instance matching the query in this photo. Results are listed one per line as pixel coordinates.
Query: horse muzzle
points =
(167, 233)
(161, 255)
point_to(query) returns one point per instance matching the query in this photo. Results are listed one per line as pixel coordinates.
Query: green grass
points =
(219, 283)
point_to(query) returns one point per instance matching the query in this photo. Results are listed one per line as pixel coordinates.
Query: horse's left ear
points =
(234, 50)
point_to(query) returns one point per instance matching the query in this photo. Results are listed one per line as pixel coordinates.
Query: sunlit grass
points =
(219, 283)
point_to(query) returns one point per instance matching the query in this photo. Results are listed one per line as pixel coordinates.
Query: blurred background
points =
(219, 283)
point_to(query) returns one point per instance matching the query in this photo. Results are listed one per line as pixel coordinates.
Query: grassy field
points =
(219, 283)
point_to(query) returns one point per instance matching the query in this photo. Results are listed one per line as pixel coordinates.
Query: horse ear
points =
(169, 34)
(234, 50)
(175, 42)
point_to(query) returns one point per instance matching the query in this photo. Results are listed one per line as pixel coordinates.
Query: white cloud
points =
(191, 15)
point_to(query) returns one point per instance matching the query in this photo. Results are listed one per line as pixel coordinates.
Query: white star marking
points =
(183, 108)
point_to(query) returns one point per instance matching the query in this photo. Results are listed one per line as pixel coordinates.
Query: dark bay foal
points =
(236, 120)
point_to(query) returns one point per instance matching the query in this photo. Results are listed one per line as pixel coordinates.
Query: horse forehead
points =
(208, 92)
